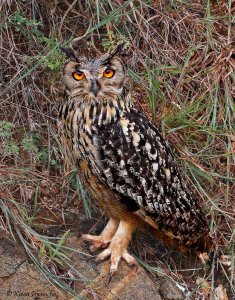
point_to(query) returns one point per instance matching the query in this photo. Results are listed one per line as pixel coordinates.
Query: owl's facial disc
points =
(95, 79)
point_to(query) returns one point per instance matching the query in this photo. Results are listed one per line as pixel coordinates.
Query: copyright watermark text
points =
(44, 295)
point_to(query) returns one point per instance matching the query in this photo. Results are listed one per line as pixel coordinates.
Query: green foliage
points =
(27, 27)
(28, 144)
(31, 144)
(9, 146)
(55, 60)
(155, 92)
(32, 29)
(72, 178)
(77, 184)
(43, 155)
(52, 251)
(112, 40)
(6, 129)
(18, 20)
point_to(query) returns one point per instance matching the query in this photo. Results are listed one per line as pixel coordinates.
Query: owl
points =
(124, 162)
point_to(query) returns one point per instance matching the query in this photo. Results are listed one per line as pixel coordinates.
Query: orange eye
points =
(108, 73)
(79, 75)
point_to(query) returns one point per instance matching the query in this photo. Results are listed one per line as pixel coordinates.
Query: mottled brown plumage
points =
(124, 162)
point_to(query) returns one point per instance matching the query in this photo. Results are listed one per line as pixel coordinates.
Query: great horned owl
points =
(124, 162)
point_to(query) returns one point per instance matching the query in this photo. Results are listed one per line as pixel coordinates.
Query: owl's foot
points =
(97, 241)
(103, 240)
(118, 247)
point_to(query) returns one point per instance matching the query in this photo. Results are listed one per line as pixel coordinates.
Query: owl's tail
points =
(201, 245)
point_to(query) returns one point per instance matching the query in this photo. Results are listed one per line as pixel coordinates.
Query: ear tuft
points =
(118, 50)
(69, 52)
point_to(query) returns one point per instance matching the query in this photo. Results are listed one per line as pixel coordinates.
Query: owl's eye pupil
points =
(78, 75)
(108, 73)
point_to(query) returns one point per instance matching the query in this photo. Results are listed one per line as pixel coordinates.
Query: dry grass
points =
(183, 55)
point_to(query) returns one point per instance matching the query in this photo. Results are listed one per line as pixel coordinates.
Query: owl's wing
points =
(139, 167)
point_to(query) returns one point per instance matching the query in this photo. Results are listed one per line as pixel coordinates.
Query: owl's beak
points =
(95, 86)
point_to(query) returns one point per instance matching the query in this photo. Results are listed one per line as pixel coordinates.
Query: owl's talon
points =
(91, 257)
(114, 263)
(110, 277)
(112, 271)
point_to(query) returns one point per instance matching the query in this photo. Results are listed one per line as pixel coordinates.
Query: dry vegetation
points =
(182, 58)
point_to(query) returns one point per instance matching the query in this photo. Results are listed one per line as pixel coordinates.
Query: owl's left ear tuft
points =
(69, 52)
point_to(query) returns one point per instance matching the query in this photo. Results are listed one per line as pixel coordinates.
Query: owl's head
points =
(100, 78)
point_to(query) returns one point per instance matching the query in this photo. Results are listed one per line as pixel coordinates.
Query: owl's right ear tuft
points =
(118, 50)
(69, 52)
